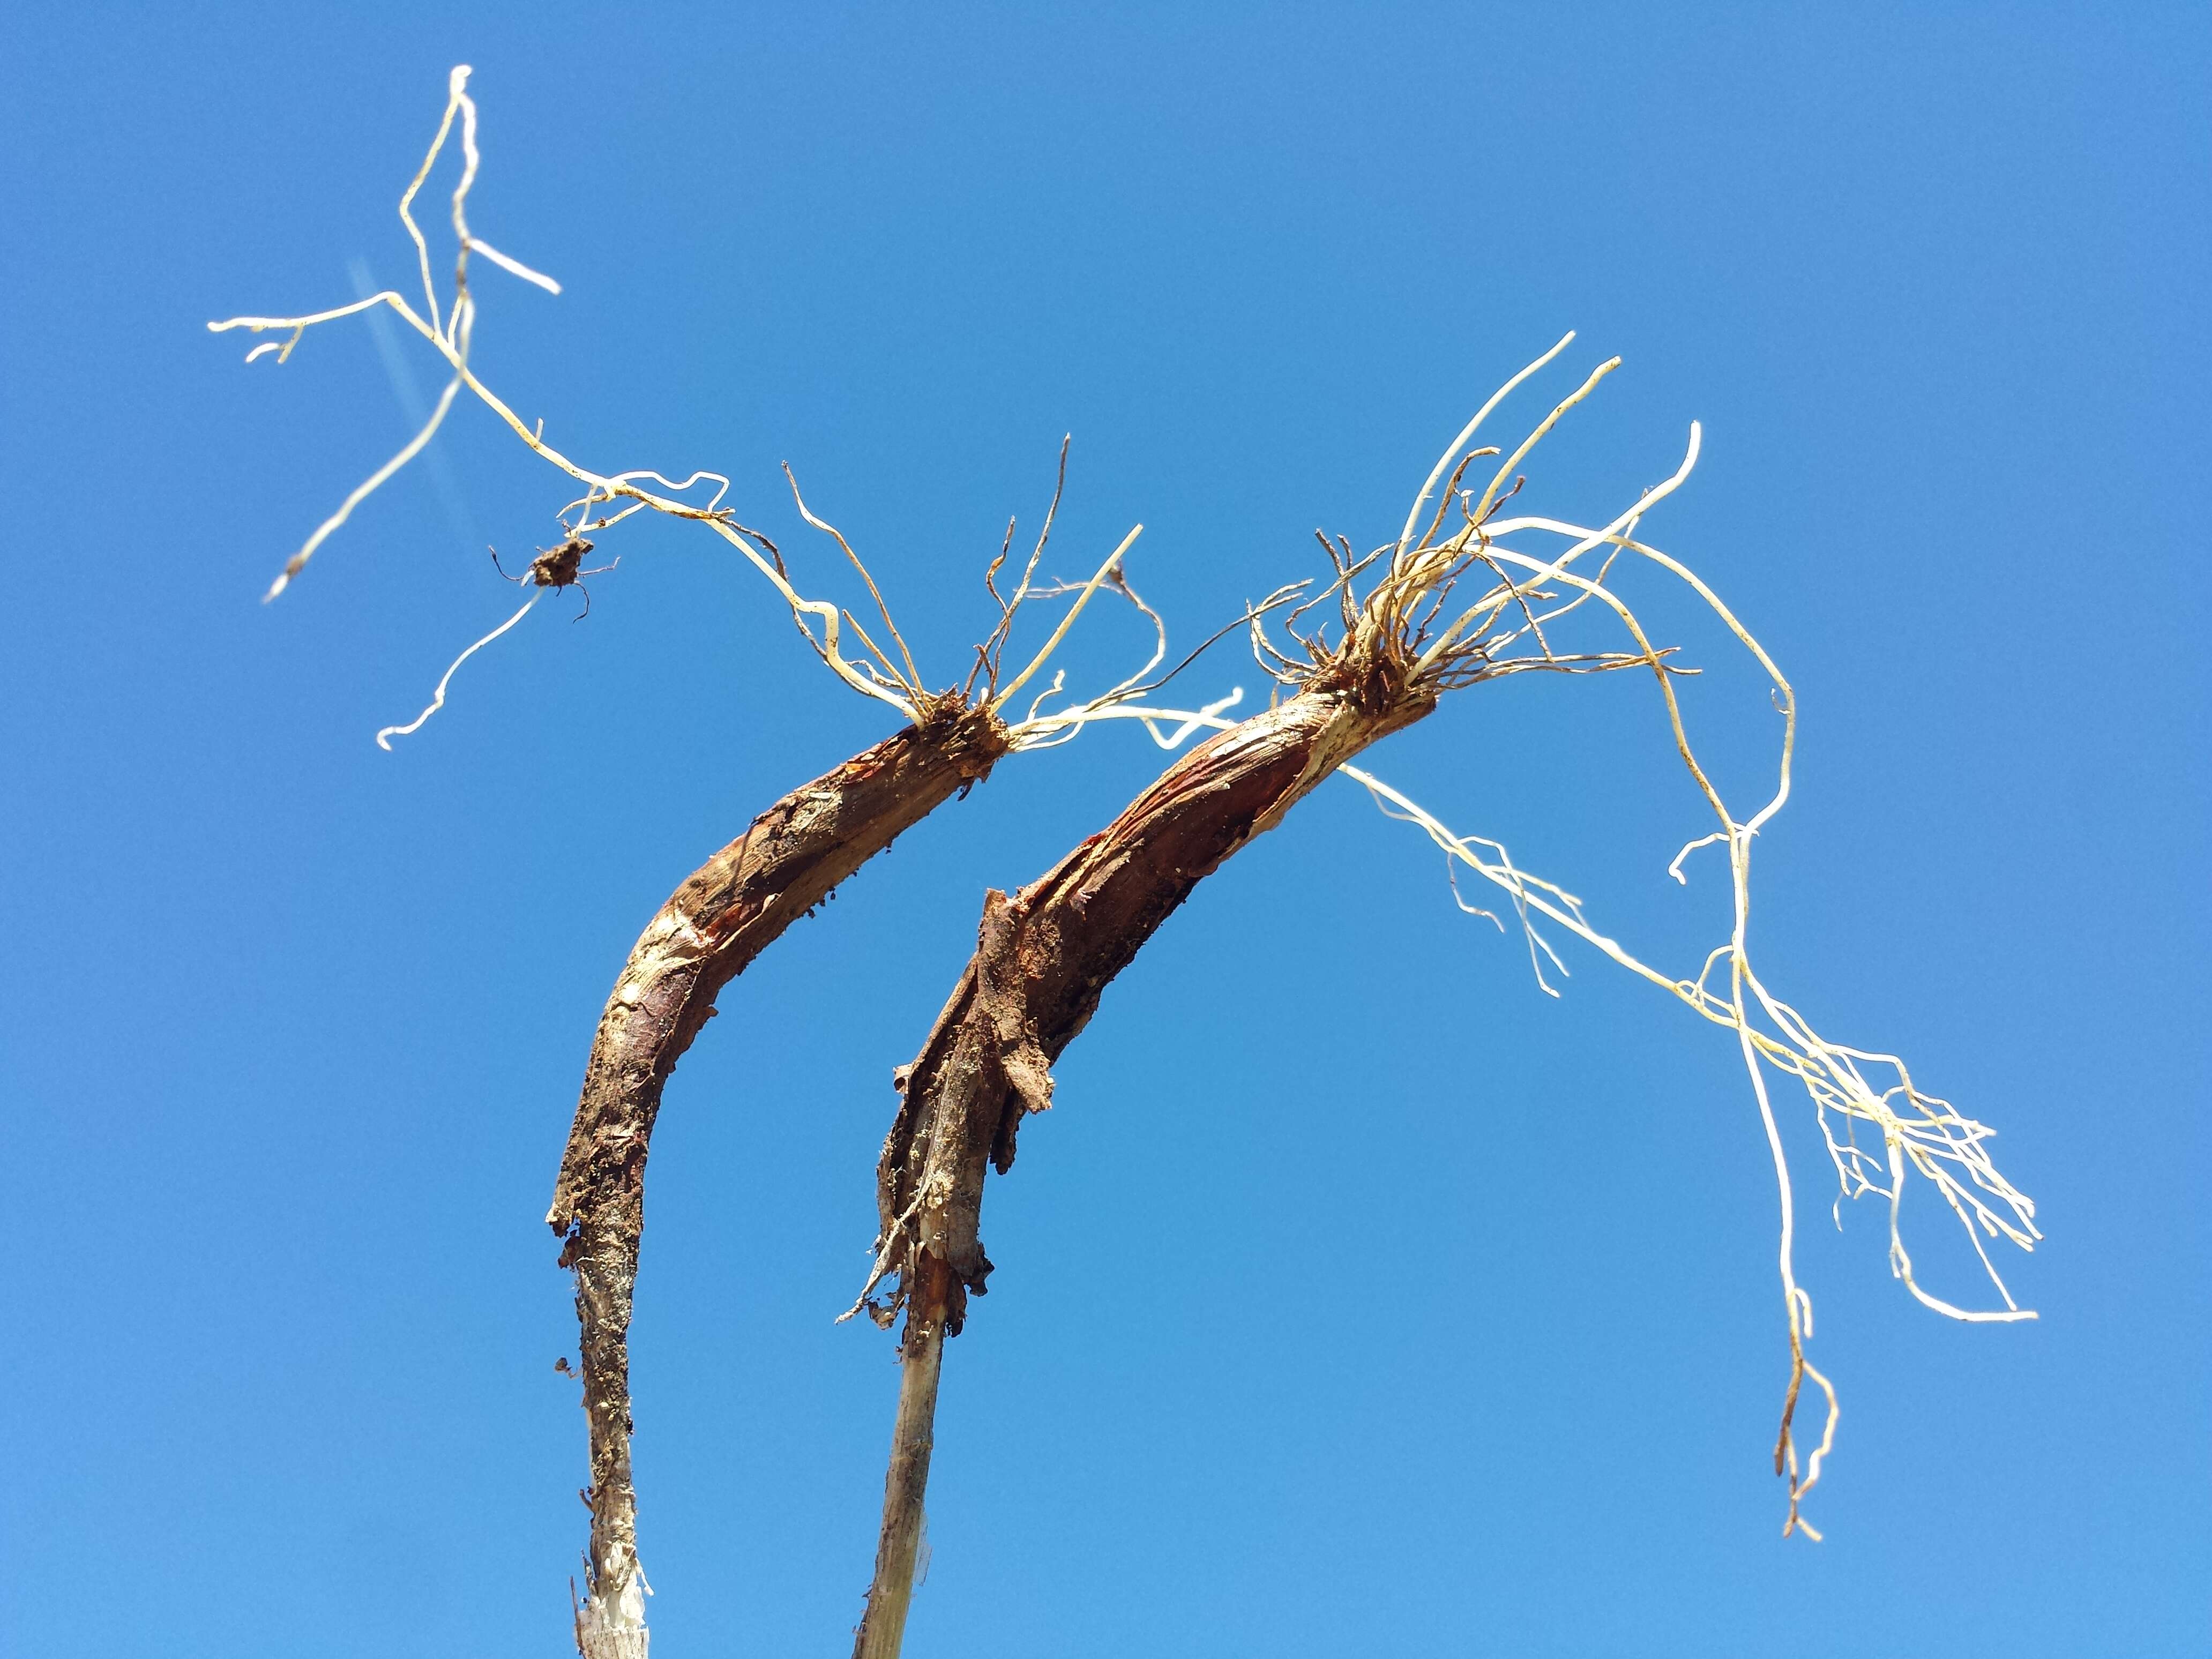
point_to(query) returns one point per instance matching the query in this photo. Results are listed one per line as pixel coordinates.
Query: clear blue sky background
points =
(1355, 1297)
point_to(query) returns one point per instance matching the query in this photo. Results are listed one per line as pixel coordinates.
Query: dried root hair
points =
(1879, 1127)
(890, 676)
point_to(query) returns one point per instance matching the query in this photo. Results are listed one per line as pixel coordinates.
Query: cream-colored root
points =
(438, 698)
(1848, 1087)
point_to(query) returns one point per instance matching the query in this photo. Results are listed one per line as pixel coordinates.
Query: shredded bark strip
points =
(720, 918)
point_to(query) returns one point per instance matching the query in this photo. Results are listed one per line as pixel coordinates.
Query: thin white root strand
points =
(362, 491)
(438, 698)
(1847, 1087)
(1916, 1130)
(1190, 723)
(1064, 725)
(1458, 446)
(448, 330)
(514, 267)
(1082, 599)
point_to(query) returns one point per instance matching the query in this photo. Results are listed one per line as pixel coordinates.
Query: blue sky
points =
(1356, 1297)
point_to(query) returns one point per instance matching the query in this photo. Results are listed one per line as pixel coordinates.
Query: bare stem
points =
(921, 1360)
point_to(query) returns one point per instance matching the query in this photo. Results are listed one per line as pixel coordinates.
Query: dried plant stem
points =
(922, 1361)
(732, 908)
(1042, 959)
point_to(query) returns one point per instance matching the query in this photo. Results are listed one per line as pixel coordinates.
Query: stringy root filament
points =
(448, 328)
(1911, 1132)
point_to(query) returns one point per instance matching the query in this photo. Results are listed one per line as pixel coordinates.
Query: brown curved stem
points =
(716, 923)
(1042, 959)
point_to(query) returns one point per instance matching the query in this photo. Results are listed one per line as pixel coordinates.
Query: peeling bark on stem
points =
(1042, 959)
(715, 924)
